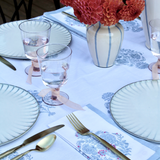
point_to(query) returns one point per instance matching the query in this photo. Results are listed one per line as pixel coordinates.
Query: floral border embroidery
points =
(97, 151)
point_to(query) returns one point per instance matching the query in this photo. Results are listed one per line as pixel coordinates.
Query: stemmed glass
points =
(54, 62)
(155, 41)
(35, 33)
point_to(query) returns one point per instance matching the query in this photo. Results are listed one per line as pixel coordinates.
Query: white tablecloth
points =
(87, 84)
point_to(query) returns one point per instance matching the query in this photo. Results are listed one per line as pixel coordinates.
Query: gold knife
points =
(31, 139)
(7, 63)
(71, 16)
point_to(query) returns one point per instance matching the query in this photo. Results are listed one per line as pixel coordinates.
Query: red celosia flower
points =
(131, 10)
(110, 10)
(66, 2)
(88, 11)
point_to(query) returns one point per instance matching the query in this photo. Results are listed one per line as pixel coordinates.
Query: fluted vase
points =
(104, 43)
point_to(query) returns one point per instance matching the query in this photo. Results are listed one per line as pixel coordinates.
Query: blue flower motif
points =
(131, 58)
(122, 61)
(107, 97)
(109, 138)
(11, 156)
(107, 105)
(102, 152)
(97, 151)
(35, 94)
(135, 56)
(94, 157)
(131, 25)
(142, 65)
(89, 148)
(44, 108)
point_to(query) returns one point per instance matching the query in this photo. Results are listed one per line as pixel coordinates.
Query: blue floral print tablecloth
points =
(87, 84)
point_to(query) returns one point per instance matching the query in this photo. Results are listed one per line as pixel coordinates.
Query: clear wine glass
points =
(54, 62)
(155, 41)
(35, 33)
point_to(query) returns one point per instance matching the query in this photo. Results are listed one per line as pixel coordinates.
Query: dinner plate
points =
(19, 111)
(136, 109)
(11, 45)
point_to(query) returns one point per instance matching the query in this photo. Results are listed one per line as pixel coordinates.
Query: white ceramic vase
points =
(104, 43)
(151, 11)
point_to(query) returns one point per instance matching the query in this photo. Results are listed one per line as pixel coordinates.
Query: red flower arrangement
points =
(108, 12)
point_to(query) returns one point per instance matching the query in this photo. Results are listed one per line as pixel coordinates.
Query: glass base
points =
(34, 74)
(48, 99)
(150, 67)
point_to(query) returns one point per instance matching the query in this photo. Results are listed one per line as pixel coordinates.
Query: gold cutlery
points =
(31, 139)
(71, 16)
(81, 129)
(41, 146)
(7, 63)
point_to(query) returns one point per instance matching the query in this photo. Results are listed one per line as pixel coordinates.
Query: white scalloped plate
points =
(19, 110)
(136, 109)
(11, 43)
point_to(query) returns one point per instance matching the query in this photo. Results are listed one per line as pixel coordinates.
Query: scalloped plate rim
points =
(123, 128)
(24, 57)
(1, 144)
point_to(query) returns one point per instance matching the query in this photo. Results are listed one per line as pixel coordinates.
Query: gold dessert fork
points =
(81, 129)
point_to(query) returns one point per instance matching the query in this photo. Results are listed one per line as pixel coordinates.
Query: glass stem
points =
(53, 96)
(36, 69)
(159, 62)
(35, 66)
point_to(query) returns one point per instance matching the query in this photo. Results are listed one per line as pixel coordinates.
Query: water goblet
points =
(35, 33)
(54, 62)
(155, 41)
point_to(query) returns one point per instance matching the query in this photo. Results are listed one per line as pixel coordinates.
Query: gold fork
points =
(81, 129)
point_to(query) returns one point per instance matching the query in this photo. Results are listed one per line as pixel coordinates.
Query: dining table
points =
(93, 88)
